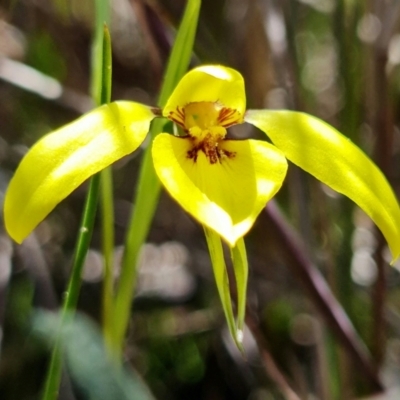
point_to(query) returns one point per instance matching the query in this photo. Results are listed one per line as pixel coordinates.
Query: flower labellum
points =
(223, 183)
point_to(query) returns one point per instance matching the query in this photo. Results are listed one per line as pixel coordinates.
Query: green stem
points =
(148, 188)
(107, 203)
(107, 213)
(85, 234)
(71, 296)
(145, 201)
(101, 88)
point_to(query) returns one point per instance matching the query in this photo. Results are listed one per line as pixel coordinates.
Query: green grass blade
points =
(99, 86)
(85, 233)
(107, 203)
(182, 50)
(102, 17)
(106, 67)
(148, 187)
(145, 203)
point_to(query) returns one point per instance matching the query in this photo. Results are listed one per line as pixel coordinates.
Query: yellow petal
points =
(332, 158)
(209, 83)
(226, 196)
(63, 159)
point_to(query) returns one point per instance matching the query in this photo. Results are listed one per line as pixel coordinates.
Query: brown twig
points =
(269, 363)
(322, 296)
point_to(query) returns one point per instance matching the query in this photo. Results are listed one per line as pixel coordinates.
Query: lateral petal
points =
(226, 196)
(62, 160)
(332, 158)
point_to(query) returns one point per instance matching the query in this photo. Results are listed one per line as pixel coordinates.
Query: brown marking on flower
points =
(206, 123)
(210, 147)
(228, 117)
(178, 116)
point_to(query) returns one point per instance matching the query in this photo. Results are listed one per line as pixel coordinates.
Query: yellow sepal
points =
(226, 196)
(65, 158)
(209, 83)
(332, 158)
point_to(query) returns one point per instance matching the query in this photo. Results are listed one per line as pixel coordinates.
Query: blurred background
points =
(323, 303)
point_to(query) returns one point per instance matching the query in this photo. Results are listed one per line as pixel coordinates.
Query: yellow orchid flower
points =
(222, 183)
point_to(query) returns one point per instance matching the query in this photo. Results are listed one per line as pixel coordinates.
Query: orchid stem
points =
(146, 200)
(149, 187)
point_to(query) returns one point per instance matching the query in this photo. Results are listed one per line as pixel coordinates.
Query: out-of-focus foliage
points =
(87, 360)
(338, 60)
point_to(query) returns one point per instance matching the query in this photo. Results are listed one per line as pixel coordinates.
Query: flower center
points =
(205, 123)
(203, 115)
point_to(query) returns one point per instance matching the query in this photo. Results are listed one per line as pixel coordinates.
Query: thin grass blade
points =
(148, 187)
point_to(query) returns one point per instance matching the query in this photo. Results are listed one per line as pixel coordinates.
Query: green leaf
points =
(70, 300)
(332, 158)
(149, 187)
(106, 70)
(241, 269)
(145, 203)
(100, 60)
(64, 159)
(182, 51)
(103, 86)
(107, 203)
